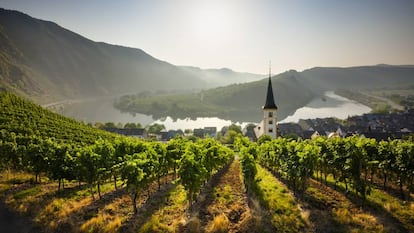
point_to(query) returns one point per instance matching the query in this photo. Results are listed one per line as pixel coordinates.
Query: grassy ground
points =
(223, 204)
(74, 210)
(284, 213)
(388, 210)
(332, 211)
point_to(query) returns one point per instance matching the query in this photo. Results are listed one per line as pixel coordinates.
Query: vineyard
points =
(67, 176)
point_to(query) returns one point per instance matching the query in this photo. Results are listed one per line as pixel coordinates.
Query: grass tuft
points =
(193, 225)
(220, 224)
(28, 192)
(224, 195)
(154, 225)
(102, 223)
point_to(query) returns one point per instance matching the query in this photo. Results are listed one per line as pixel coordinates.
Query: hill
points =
(238, 102)
(357, 78)
(223, 76)
(46, 62)
(26, 119)
(293, 90)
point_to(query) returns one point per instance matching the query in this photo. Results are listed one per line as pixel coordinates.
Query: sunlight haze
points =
(243, 35)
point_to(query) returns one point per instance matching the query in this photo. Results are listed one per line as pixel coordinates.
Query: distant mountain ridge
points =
(40, 59)
(360, 77)
(223, 76)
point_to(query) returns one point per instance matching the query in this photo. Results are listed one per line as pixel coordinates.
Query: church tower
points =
(269, 112)
(269, 123)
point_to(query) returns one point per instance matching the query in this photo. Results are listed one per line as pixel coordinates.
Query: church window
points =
(270, 114)
(270, 122)
(270, 130)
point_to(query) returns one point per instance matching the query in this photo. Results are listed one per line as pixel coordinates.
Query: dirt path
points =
(223, 204)
(13, 223)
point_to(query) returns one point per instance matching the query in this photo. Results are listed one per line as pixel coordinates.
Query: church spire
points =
(270, 101)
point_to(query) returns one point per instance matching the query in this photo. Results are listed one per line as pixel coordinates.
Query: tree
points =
(161, 164)
(8, 150)
(133, 175)
(192, 174)
(264, 138)
(132, 126)
(249, 168)
(62, 164)
(38, 155)
(89, 161)
(175, 150)
(236, 128)
(230, 136)
(105, 162)
(405, 166)
(109, 125)
(155, 128)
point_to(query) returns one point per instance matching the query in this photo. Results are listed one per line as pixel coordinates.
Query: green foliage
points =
(249, 169)
(132, 126)
(192, 174)
(353, 160)
(155, 128)
(264, 138)
(133, 174)
(199, 161)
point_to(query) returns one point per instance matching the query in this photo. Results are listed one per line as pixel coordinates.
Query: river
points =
(331, 105)
(102, 110)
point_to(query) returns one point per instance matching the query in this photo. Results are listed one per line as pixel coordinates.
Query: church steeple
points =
(270, 101)
(268, 126)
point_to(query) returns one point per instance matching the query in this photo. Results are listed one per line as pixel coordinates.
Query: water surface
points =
(102, 110)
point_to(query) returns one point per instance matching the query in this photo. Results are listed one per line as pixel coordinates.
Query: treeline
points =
(354, 161)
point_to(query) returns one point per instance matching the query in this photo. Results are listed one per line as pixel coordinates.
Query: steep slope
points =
(24, 118)
(44, 61)
(60, 63)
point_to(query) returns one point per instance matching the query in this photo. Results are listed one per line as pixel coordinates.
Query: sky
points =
(243, 35)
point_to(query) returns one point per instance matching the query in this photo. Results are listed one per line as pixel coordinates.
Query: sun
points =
(212, 21)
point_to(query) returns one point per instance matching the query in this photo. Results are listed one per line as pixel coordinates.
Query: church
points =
(268, 126)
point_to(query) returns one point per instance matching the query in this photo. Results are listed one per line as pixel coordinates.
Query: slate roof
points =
(270, 101)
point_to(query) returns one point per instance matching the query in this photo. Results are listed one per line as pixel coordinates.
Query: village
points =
(380, 126)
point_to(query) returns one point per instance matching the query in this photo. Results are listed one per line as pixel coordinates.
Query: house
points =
(167, 135)
(203, 132)
(138, 133)
(199, 132)
(210, 131)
